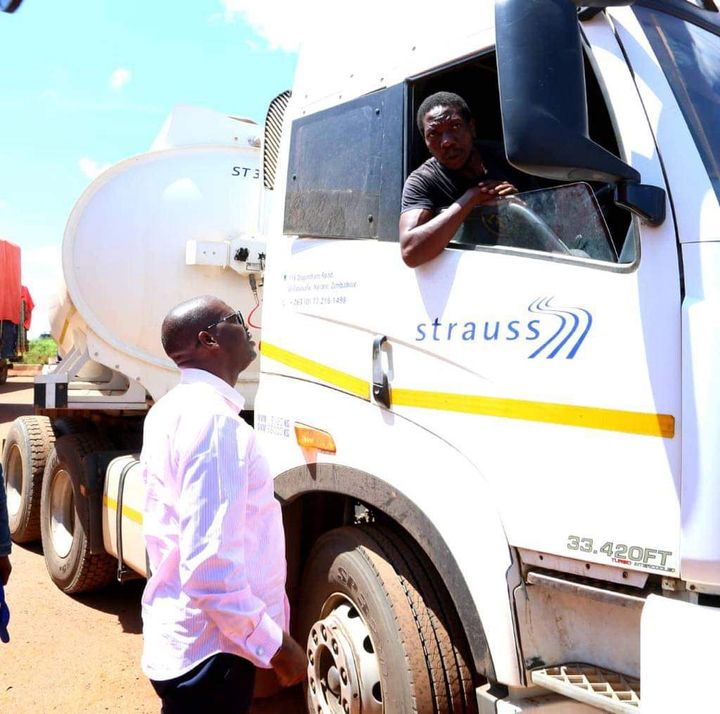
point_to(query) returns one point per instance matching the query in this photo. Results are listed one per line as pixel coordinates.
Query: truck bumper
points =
(677, 658)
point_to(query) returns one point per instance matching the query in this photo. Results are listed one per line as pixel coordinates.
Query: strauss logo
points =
(553, 331)
(573, 326)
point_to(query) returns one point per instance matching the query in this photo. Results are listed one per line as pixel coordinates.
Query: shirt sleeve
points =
(211, 510)
(5, 542)
(416, 193)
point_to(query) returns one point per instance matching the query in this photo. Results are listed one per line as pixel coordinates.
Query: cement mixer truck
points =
(499, 470)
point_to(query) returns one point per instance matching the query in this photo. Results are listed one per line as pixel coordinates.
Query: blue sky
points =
(87, 83)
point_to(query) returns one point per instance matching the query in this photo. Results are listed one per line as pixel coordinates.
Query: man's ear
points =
(206, 339)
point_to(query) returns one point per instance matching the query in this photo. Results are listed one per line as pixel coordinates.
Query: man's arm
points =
(213, 563)
(5, 542)
(289, 662)
(423, 235)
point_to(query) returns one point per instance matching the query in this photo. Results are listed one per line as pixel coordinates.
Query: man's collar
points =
(193, 376)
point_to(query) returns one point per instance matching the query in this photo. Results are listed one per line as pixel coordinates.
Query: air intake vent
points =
(273, 134)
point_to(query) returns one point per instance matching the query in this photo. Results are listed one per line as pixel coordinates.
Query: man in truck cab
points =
(215, 605)
(461, 174)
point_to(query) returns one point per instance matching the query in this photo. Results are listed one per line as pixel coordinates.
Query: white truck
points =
(499, 470)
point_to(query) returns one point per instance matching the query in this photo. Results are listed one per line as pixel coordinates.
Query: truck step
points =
(601, 688)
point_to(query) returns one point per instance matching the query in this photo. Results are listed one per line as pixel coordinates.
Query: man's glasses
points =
(237, 316)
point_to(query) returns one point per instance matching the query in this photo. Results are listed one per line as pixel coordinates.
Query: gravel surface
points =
(76, 654)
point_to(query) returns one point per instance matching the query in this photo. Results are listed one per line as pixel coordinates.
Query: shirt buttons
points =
(259, 651)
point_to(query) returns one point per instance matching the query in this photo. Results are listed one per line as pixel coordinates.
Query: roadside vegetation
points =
(40, 351)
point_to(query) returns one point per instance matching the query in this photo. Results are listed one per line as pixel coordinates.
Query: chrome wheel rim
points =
(343, 667)
(62, 513)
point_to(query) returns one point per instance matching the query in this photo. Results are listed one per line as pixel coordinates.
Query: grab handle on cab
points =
(381, 385)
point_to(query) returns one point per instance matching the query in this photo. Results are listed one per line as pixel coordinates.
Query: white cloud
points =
(285, 25)
(278, 22)
(3, 204)
(119, 78)
(42, 273)
(90, 167)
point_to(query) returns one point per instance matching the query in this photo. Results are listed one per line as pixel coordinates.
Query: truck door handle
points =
(380, 386)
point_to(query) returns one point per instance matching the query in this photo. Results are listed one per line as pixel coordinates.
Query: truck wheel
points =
(381, 635)
(64, 534)
(26, 449)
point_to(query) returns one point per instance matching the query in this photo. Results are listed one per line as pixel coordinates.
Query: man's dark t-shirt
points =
(434, 187)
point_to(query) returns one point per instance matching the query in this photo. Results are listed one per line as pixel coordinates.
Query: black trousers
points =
(221, 684)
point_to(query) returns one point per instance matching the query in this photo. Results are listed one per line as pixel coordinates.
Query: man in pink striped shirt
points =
(215, 605)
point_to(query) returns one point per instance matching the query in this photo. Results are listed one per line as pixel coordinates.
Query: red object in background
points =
(29, 305)
(10, 286)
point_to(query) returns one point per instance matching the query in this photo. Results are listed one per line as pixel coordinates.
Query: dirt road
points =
(75, 654)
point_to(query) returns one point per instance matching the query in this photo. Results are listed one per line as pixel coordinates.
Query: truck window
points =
(345, 169)
(690, 59)
(564, 219)
(577, 220)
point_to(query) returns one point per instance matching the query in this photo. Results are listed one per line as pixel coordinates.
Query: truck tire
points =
(381, 634)
(64, 534)
(26, 450)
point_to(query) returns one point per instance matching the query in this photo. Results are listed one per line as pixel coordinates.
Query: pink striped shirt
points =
(213, 533)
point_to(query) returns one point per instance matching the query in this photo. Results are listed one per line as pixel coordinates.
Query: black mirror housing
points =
(542, 94)
(9, 5)
(543, 102)
(647, 202)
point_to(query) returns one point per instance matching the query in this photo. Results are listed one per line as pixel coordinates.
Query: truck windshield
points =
(690, 58)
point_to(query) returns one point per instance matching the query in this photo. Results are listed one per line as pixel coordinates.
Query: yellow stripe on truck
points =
(566, 414)
(643, 423)
(342, 380)
(129, 513)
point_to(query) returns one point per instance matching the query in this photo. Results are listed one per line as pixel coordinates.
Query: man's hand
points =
(489, 192)
(5, 569)
(423, 236)
(289, 662)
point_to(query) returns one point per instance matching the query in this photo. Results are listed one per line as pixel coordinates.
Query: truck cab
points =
(523, 419)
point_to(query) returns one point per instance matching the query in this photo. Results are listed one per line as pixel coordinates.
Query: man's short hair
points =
(442, 99)
(182, 324)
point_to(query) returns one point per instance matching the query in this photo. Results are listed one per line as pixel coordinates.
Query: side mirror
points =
(9, 5)
(543, 101)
